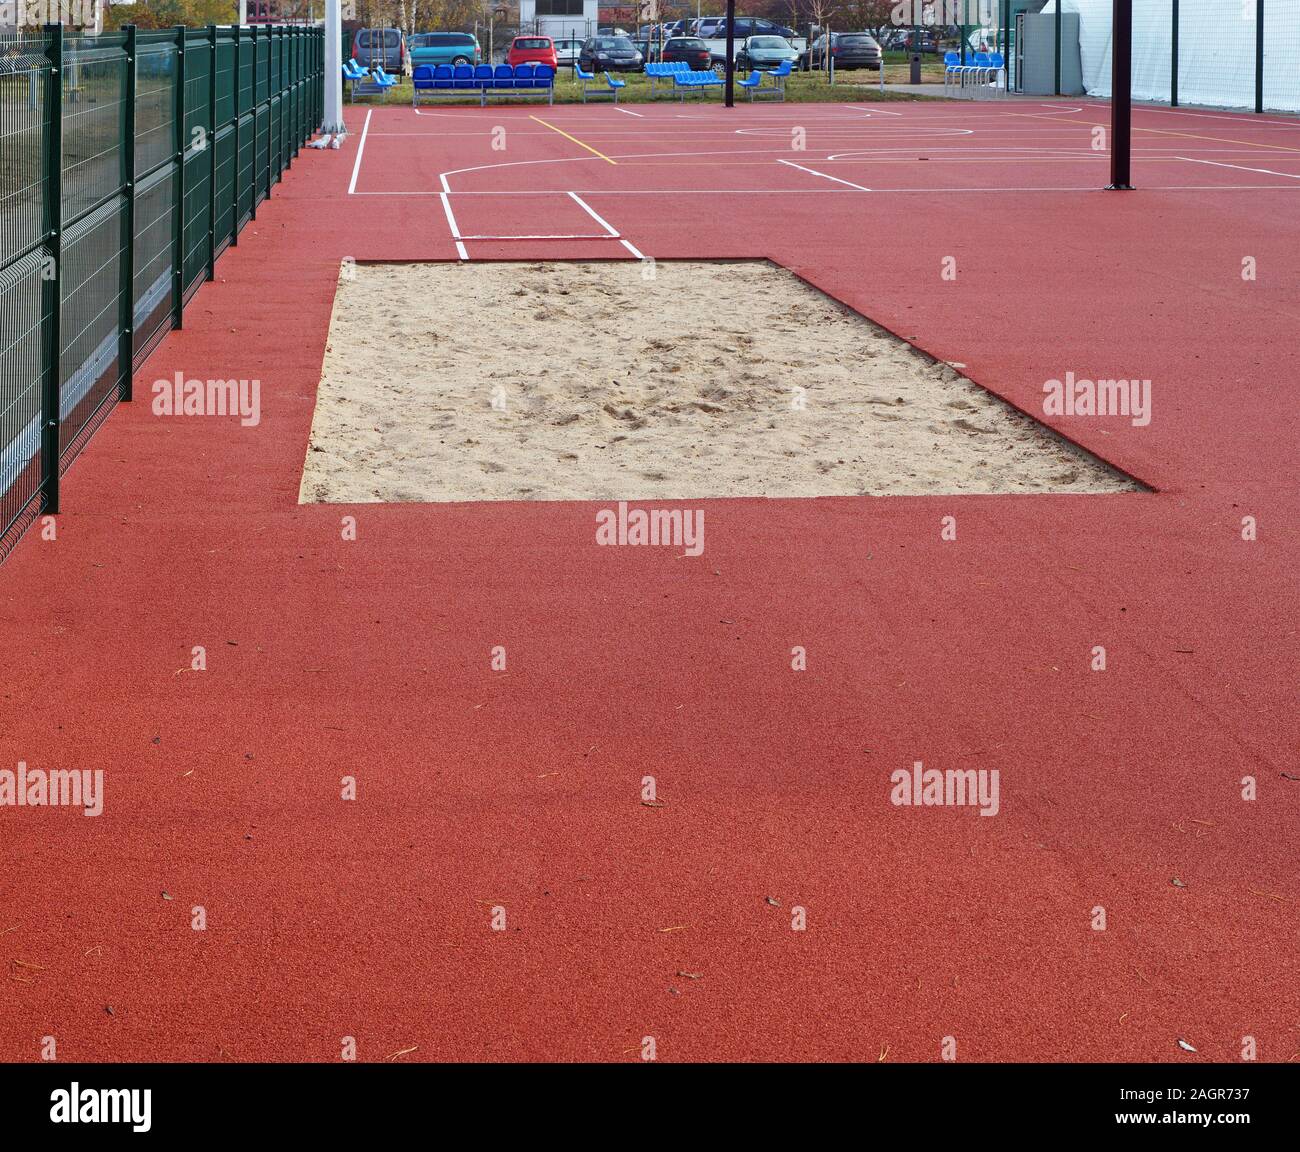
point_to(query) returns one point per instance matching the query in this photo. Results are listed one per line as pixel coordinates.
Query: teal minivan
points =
(443, 48)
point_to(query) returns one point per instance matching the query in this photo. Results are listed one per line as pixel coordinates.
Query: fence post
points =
(270, 127)
(234, 175)
(178, 217)
(1259, 55)
(52, 285)
(126, 265)
(1173, 59)
(212, 155)
(252, 107)
(1056, 63)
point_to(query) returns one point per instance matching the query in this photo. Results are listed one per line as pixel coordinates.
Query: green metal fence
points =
(128, 163)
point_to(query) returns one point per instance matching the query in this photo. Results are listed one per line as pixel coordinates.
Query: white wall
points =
(1216, 51)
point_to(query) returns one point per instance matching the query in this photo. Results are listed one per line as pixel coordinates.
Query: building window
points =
(559, 7)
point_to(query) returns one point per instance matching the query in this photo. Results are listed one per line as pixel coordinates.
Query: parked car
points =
(610, 54)
(764, 52)
(848, 49)
(707, 28)
(567, 51)
(380, 48)
(532, 50)
(902, 41)
(689, 48)
(443, 48)
(747, 26)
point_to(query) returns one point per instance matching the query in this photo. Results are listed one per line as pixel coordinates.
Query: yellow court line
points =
(1162, 132)
(578, 142)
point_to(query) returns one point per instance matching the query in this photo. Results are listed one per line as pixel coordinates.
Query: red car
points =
(532, 50)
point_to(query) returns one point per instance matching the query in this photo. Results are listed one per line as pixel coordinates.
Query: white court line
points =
(1242, 117)
(811, 171)
(628, 245)
(627, 113)
(613, 232)
(542, 236)
(461, 250)
(1239, 167)
(356, 168)
(838, 191)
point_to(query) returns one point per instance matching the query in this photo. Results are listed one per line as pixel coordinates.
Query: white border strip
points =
(356, 168)
(814, 172)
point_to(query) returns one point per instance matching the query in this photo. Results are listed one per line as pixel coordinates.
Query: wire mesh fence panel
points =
(155, 105)
(198, 205)
(225, 215)
(1234, 54)
(94, 95)
(261, 152)
(112, 212)
(244, 183)
(23, 69)
(89, 281)
(24, 319)
(155, 204)
(1282, 55)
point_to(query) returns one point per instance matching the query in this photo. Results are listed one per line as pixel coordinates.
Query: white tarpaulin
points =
(1216, 50)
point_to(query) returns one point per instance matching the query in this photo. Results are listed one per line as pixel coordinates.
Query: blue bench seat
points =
(503, 80)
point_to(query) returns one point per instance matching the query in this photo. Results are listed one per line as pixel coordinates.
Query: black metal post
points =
(1121, 99)
(1057, 48)
(731, 53)
(126, 269)
(1259, 55)
(234, 181)
(51, 294)
(178, 218)
(1173, 59)
(212, 156)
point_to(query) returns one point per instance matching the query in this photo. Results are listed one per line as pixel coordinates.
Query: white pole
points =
(333, 68)
(243, 13)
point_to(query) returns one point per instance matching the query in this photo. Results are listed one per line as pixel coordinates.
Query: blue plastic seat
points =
(544, 76)
(482, 75)
(462, 76)
(503, 76)
(753, 80)
(442, 75)
(524, 75)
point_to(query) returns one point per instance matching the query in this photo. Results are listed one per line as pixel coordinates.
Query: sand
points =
(588, 381)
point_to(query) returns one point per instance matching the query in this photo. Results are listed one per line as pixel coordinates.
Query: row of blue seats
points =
(486, 80)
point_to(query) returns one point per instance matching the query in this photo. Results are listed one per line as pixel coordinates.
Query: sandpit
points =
(593, 381)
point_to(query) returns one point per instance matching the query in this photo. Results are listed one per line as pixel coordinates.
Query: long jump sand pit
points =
(599, 381)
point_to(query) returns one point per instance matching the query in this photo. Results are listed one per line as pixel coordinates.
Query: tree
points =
(169, 13)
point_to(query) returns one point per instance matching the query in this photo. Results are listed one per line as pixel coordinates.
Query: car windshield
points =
(614, 44)
(864, 41)
(685, 43)
(533, 43)
(767, 42)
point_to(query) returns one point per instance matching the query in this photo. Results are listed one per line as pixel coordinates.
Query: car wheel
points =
(720, 69)
(461, 60)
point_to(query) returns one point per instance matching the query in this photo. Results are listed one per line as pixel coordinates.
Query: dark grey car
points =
(610, 54)
(848, 49)
(380, 48)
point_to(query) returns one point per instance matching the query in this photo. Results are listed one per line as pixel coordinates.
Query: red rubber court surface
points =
(479, 790)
